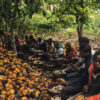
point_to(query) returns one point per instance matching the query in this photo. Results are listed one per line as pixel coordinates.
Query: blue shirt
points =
(83, 75)
(88, 61)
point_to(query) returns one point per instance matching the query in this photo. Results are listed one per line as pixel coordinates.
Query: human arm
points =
(61, 80)
(86, 87)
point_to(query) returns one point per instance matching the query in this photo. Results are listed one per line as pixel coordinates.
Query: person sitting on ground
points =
(61, 51)
(76, 82)
(26, 39)
(51, 47)
(25, 49)
(93, 86)
(85, 53)
(92, 89)
(42, 44)
(31, 42)
(56, 43)
(35, 43)
(70, 52)
(18, 43)
(85, 40)
(40, 41)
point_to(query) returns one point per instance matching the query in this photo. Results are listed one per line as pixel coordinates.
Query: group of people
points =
(87, 79)
(39, 44)
(49, 47)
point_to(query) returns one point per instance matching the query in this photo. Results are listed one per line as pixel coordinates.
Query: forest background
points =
(50, 18)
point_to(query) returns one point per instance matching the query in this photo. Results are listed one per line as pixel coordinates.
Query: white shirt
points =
(92, 52)
(60, 51)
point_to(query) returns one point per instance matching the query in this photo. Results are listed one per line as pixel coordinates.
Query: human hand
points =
(86, 88)
(75, 66)
(61, 80)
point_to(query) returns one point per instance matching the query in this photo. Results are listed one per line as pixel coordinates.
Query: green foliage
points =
(45, 15)
(93, 27)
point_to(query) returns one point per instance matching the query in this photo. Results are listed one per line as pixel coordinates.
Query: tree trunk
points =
(2, 39)
(2, 36)
(79, 29)
(13, 42)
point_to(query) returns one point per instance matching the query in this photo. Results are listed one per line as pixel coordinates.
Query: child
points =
(26, 39)
(85, 52)
(92, 89)
(93, 86)
(18, 43)
(75, 85)
(51, 47)
(70, 52)
(31, 41)
(85, 40)
(61, 51)
(42, 44)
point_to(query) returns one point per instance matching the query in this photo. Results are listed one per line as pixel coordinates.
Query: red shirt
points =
(95, 97)
(19, 42)
(72, 53)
